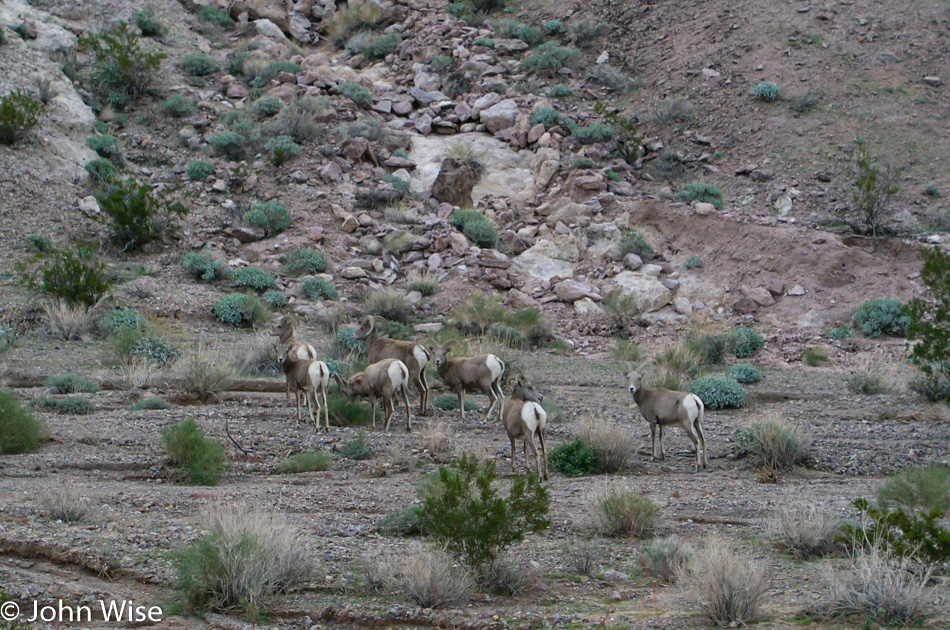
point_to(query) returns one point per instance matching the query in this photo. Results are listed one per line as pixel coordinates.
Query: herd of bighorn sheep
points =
(394, 365)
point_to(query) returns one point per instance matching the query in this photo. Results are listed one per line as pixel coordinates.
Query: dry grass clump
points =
(582, 556)
(423, 281)
(612, 443)
(806, 531)
(205, 374)
(624, 511)
(390, 305)
(665, 558)
(729, 584)
(429, 578)
(66, 505)
(69, 322)
(259, 356)
(673, 367)
(439, 439)
(772, 443)
(504, 578)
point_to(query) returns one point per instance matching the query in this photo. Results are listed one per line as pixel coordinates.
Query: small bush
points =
(698, 191)
(138, 215)
(487, 42)
(917, 490)
(282, 149)
(560, 91)
(19, 112)
(431, 580)
(305, 461)
(148, 24)
(611, 443)
(202, 266)
(502, 577)
(711, 347)
(275, 299)
(448, 402)
(623, 511)
(693, 262)
(746, 342)
(65, 506)
(66, 321)
(457, 9)
(345, 343)
(634, 243)
(253, 278)
(198, 170)
(20, 432)
(423, 281)
(921, 536)
(771, 445)
(343, 413)
(239, 309)
(582, 163)
(815, 356)
(404, 522)
(585, 33)
(71, 405)
(393, 306)
(357, 94)
(554, 27)
(319, 289)
(510, 29)
(665, 559)
(867, 382)
(730, 584)
(594, 134)
(354, 17)
(201, 459)
(178, 106)
(141, 341)
(199, 65)
(806, 531)
(272, 216)
(115, 319)
(612, 79)
(674, 364)
(548, 58)
(719, 392)
(242, 558)
(75, 277)
(574, 458)
(228, 143)
(274, 68)
(104, 146)
(100, 170)
(304, 261)
(582, 555)
(379, 47)
(215, 15)
(122, 70)
(357, 449)
(745, 374)
(440, 64)
(547, 116)
(475, 227)
(150, 404)
(204, 376)
(881, 317)
(267, 107)
(298, 119)
(839, 333)
(766, 91)
(627, 350)
(70, 384)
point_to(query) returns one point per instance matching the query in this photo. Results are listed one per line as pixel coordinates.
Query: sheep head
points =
(633, 382)
(351, 386)
(283, 325)
(441, 354)
(523, 390)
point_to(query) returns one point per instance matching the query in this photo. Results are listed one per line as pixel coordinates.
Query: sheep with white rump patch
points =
(663, 407)
(413, 355)
(385, 379)
(474, 374)
(524, 419)
(287, 341)
(310, 379)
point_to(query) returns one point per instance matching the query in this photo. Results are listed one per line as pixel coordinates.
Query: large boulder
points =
(273, 10)
(571, 290)
(455, 182)
(500, 117)
(549, 258)
(650, 293)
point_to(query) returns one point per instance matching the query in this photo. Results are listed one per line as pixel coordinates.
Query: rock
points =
(568, 212)
(587, 305)
(219, 186)
(237, 91)
(932, 80)
(423, 124)
(549, 258)
(783, 205)
(434, 262)
(428, 328)
(602, 58)
(573, 290)
(331, 172)
(776, 287)
(484, 102)
(632, 262)
(89, 205)
(517, 300)
(796, 290)
(745, 306)
(269, 30)
(402, 107)
(424, 97)
(702, 208)
(350, 224)
(499, 117)
(650, 293)
(651, 270)
(710, 73)
(354, 147)
(352, 273)
(455, 182)
(274, 11)
(247, 234)
(535, 133)
(682, 306)
(611, 575)
(934, 239)
(759, 295)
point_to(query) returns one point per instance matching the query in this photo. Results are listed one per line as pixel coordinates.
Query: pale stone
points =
(796, 290)
(352, 273)
(650, 293)
(500, 116)
(682, 306)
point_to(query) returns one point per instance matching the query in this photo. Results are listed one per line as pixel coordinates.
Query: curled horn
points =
(383, 321)
(369, 322)
(513, 380)
(451, 342)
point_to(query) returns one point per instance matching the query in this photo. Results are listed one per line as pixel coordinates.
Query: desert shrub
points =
(487, 42)
(875, 186)
(457, 9)
(430, 579)
(253, 278)
(593, 134)
(730, 584)
(356, 93)
(71, 405)
(199, 169)
(478, 312)
(343, 413)
(634, 243)
(76, 277)
(393, 306)
(199, 458)
(229, 144)
(66, 506)
(881, 317)
(574, 458)
(440, 64)
(202, 266)
(467, 515)
(719, 392)
(620, 306)
(423, 281)
(122, 318)
(771, 444)
(304, 261)
(345, 343)
(352, 18)
(239, 309)
(319, 289)
(487, 6)
(745, 374)
(105, 146)
(149, 25)
(448, 402)
(711, 347)
(693, 262)
(869, 382)
(100, 170)
(122, 70)
(137, 213)
(547, 116)
(549, 58)
(612, 79)
(745, 342)
(20, 432)
(806, 531)
(357, 449)
(242, 557)
(503, 577)
(274, 68)
(585, 33)
(8, 337)
(665, 559)
(298, 119)
(554, 27)
(66, 321)
(803, 103)
(918, 535)
(305, 461)
(673, 365)
(839, 333)
(699, 191)
(267, 107)
(511, 29)
(766, 91)
(404, 522)
(199, 65)
(582, 555)
(581, 163)
(626, 350)
(275, 299)
(150, 404)
(272, 216)
(282, 149)
(929, 321)
(623, 511)
(215, 15)
(70, 384)
(475, 227)
(19, 112)
(379, 47)
(139, 340)
(815, 356)
(560, 91)
(614, 176)
(917, 489)
(611, 443)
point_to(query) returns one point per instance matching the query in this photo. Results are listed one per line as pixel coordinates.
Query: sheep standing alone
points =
(482, 373)
(662, 407)
(413, 355)
(310, 379)
(524, 419)
(386, 379)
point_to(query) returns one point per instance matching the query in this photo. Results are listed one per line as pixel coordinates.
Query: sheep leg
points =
(405, 399)
(514, 454)
(695, 441)
(544, 455)
(372, 400)
(492, 399)
(702, 441)
(425, 387)
(653, 438)
(308, 394)
(461, 396)
(660, 429)
(534, 451)
(297, 399)
(390, 409)
(326, 408)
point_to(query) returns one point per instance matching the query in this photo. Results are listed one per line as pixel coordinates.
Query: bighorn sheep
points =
(385, 378)
(524, 418)
(662, 407)
(309, 378)
(287, 340)
(413, 355)
(482, 373)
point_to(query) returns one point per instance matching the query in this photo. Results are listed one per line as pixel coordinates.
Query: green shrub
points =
(199, 169)
(487, 42)
(549, 58)
(404, 522)
(272, 216)
(554, 27)
(625, 512)
(718, 392)
(711, 347)
(282, 149)
(267, 107)
(839, 333)
(228, 143)
(933, 387)
(70, 384)
(560, 91)
(575, 458)
(917, 490)
(275, 299)
(815, 356)
(305, 461)
(239, 309)
(766, 91)
(921, 536)
(357, 94)
(199, 65)
(343, 413)
(122, 70)
(634, 243)
(142, 342)
(614, 176)
(253, 278)
(138, 214)
(698, 191)
(585, 33)
(100, 170)
(75, 277)
(771, 445)
(874, 187)
(305, 261)
(105, 146)
(19, 112)
(466, 514)
(746, 342)
(745, 374)
(594, 134)
(20, 432)
(664, 559)
(440, 64)
(881, 317)
(122, 318)
(150, 404)
(379, 47)
(448, 402)
(476, 227)
(319, 289)
(867, 382)
(39, 243)
(71, 405)
(345, 343)
(547, 116)
(510, 29)
(148, 24)
(215, 15)
(693, 262)
(457, 9)
(356, 449)
(202, 266)
(402, 185)
(201, 459)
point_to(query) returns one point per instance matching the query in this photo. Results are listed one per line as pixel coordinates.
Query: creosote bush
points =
(877, 318)
(150, 404)
(76, 277)
(19, 112)
(730, 584)
(699, 191)
(719, 392)
(20, 432)
(239, 309)
(624, 511)
(100, 170)
(272, 216)
(228, 143)
(574, 458)
(200, 459)
(122, 69)
(138, 215)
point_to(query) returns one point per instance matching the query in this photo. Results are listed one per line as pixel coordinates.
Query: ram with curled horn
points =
(474, 374)
(415, 357)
